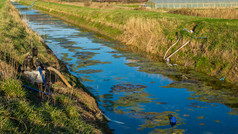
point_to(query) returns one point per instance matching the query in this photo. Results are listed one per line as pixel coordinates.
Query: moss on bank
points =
(153, 32)
(24, 111)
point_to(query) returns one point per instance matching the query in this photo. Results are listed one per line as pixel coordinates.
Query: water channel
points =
(136, 91)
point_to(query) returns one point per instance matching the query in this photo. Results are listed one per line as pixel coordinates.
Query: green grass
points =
(2, 3)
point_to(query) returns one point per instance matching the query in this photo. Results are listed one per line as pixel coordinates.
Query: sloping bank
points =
(154, 32)
(67, 110)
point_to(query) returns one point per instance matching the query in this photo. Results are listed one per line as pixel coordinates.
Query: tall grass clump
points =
(152, 32)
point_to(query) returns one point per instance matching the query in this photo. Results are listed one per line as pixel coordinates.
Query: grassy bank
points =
(67, 110)
(153, 33)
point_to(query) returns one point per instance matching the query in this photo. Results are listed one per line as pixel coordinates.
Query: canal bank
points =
(68, 110)
(138, 94)
(154, 32)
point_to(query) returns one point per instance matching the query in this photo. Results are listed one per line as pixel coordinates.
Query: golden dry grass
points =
(223, 13)
(7, 71)
(150, 30)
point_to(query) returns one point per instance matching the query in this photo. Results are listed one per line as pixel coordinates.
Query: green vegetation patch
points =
(90, 63)
(84, 55)
(127, 88)
(154, 119)
(133, 100)
(12, 88)
(89, 71)
(166, 131)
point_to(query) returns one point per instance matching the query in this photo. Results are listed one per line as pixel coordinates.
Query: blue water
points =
(144, 109)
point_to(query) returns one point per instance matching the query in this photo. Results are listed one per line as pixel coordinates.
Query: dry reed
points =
(147, 34)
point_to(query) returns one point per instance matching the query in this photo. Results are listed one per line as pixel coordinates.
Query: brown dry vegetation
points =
(151, 30)
(223, 13)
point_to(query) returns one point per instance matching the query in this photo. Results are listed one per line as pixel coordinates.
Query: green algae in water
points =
(89, 71)
(155, 68)
(234, 111)
(200, 117)
(117, 56)
(65, 57)
(81, 34)
(136, 108)
(85, 78)
(161, 119)
(68, 43)
(108, 104)
(119, 111)
(155, 119)
(198, 105)
(106, 96)
(92, 48)
(113, 52)
(60, 40)
(133, 100)
(167, 131)
(204, 93)
(132, 64)
(119, 78)
(84, 55)
(129, 56)
(72, 47)
(100, 41)
(134, 97)
(73, 68)
(45, 36)
(127, 88)
(90, 63)
(161, 103)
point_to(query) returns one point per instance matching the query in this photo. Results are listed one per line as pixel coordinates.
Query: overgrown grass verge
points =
(24, 111)
(153, 33)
